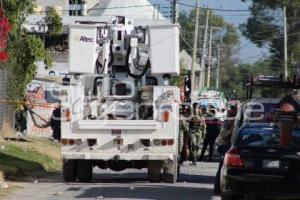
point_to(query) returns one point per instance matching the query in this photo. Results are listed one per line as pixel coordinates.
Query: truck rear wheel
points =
(171, 171)
(85, 171)
(70, 170)
(154, 168)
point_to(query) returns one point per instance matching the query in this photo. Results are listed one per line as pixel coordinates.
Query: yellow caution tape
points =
(26, 103)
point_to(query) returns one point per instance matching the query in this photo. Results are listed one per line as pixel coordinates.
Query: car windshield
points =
(265, 136)
(211, 102)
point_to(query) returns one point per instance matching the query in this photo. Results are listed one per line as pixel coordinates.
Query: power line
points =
(240, 61)
(186, 42)
(261, 40)
(111, 8)
(213, 9)
(277, 37)
(237, 15)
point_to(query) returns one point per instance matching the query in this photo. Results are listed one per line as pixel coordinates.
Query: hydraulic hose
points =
(148, 65)
(32, 113)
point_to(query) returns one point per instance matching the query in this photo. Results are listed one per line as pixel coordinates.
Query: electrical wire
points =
(186, 42)
(111, 8)
(240, 61)
(244, 15)
(213, 9)
(277, 37)
(261, 40)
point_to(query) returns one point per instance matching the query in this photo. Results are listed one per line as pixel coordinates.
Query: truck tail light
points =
(78, 142)
(170, 142)
(164, 142)
(65, 141)
(68, 141)
(166, 116)
(68, 114)
(71, 142)
(156, 142)
(233, 159)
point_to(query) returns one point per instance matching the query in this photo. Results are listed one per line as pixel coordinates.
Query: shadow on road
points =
(196, 179)
(142, 177)
(158, 192)
(136, 186)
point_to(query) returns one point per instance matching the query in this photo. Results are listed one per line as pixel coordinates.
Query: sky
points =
(249, 53)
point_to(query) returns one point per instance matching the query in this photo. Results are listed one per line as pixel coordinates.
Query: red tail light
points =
(164, 142)
(71, 142)
(65, 141)
(170, 142)
(233, 159)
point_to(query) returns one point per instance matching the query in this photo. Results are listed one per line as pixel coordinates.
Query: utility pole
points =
(218, 65)
(285, 46)
(202, 76)
(177, 10)
(209, 57)
(195, 46)
(154, 11)
(175, 13)
(158, 11)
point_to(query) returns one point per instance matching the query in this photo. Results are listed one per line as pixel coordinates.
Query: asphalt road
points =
(194, 183)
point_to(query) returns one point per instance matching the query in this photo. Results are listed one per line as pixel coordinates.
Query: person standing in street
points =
(56, 123)
(183, 138)
(197, 129)
(212, 132)
(21, 120)
(224, 143)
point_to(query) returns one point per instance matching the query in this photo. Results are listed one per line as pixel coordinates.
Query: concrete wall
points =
(6, 114)
(2, 96)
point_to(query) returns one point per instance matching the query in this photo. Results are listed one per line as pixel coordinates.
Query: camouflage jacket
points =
(197, 124)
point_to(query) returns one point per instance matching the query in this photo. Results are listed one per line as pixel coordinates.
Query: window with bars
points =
(75, 7)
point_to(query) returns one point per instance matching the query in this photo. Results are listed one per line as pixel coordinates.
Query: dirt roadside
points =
(26, 160)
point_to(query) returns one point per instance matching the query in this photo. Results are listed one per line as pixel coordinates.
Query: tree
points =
(54, 22)
(265, 28)
(24, 49)
(54, 39)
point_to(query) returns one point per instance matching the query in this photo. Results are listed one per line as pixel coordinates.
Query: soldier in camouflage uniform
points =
(197, 130)
(184, 133)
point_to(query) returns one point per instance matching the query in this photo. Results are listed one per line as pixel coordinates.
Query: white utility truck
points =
(119, 110)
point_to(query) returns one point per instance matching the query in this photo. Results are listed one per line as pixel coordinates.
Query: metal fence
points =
(60, 57)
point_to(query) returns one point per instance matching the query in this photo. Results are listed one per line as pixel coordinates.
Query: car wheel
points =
(85, 171)
(70, 170)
